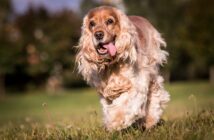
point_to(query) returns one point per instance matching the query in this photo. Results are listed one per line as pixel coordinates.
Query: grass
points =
(76, 114)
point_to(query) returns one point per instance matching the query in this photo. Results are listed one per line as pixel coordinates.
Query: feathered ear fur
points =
(155, 55)
(86, 57)
(130, 47)
(127, 40)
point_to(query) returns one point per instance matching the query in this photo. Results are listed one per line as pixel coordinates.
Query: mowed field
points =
(76, 114)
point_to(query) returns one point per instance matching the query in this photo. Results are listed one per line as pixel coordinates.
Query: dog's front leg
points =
(157, 98)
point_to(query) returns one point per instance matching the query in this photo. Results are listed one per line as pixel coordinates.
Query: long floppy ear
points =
(154, 43)
(86, 55)
(127, 40)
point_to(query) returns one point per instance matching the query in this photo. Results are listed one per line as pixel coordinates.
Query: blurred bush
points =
(187, 27)
(36, 48)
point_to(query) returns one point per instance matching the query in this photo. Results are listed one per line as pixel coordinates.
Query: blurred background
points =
(37, 39)
(37, 54)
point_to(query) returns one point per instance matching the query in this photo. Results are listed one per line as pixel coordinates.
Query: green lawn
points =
(76, 114)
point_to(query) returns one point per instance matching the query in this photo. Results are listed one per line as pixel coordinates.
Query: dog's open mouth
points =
(107, 48)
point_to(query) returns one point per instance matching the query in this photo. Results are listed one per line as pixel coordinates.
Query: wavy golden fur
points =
(119, 55)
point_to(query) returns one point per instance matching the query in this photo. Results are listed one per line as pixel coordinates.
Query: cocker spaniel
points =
(120, 56)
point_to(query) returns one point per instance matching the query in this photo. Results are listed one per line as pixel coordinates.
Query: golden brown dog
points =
(120, 55)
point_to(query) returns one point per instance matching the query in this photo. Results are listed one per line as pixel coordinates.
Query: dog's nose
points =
(99, 35)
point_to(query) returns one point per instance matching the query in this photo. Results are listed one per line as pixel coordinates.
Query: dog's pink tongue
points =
(111, 49)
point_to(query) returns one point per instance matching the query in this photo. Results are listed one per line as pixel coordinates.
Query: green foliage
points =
(38, 44)
(6, 61)
(51, 37)
(197, 35)
(187, 27)
(86, 5)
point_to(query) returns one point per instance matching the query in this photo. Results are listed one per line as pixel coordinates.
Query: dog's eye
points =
(109, 21)
(92, 24)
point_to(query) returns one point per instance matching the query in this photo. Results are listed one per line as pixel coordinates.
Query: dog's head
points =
(107, 34)
(109, 37)
(103, 24)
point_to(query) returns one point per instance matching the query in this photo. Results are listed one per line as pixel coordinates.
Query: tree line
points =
(37, 48)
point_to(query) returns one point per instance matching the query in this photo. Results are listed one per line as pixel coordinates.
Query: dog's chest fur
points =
(121, 78)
